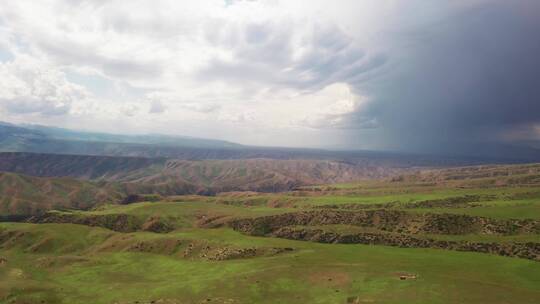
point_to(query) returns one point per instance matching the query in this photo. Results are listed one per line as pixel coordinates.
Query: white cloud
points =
(30, 86)
(329, 108)
(130, 110)
(238, 115)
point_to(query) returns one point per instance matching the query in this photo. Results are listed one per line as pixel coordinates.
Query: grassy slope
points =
(507, 202)
(314, 273)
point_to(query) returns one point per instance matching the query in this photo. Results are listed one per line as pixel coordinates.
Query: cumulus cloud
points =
(332, 108)
(29, 86)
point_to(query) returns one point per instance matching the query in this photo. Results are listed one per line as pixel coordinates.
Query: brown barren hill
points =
(25, 195)
(194, 176)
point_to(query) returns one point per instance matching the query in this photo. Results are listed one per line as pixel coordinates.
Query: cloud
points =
(442, 76)
(29, 87)
(267, 54)
(130, 110)
(238, 116)
(333, 107)
(201, 62)
(201, 108)
(156, 107)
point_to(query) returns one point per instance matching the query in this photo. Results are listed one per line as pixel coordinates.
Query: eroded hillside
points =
(22, 195)
(168, 177)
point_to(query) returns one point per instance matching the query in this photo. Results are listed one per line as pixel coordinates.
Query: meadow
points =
(200, 258)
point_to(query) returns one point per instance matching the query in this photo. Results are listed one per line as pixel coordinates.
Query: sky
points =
(421, 76)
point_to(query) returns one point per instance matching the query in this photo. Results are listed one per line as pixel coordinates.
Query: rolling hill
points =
(22, 195)
(393, 241)
(475, 176)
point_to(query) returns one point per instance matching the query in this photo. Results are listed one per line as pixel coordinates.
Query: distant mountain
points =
(168, 176)
(51, 140)
(36, 138)
(149, 139)
(41, 139)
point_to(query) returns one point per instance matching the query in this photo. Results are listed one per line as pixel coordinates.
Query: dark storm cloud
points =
(462, 82)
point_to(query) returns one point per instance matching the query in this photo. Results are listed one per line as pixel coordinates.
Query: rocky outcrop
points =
(528, 250)
(116, 222)
(156, 224)
(465, 201)
(158, 246)
(395, 228)
(451, 202)
(228, 253)
(358, 206)
(222, 252)
(388, 220)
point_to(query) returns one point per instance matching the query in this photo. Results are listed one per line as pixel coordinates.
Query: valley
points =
(432, 236)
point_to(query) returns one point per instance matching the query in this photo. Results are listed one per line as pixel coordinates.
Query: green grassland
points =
(504, 202)
(67, 263)
(73, 268)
